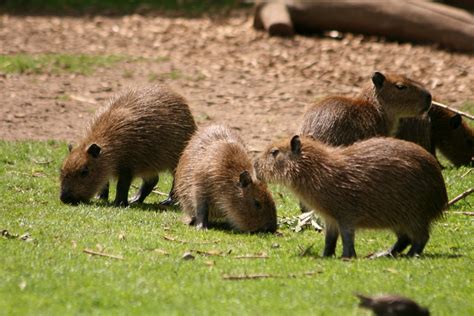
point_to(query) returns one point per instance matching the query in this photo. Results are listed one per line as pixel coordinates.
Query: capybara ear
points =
(94, 150)
(245, 179)
(455, 121)
(69, 147)
(378, 79)
(296, 145)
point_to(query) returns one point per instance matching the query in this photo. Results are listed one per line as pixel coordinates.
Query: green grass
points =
(55, 63)
(50, 275)
(114, 6)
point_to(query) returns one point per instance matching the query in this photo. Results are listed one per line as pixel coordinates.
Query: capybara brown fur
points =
(379, 183)
(442, 130)
(215, 180)
(140, 133)
(374, 112)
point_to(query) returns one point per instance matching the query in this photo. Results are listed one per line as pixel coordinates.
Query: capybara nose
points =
(67, 198)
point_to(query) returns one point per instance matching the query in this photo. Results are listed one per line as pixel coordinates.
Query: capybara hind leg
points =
(418, 245)
(171, 199)
(304, 208)
(202, 215)
(123, 185)
(401, 244)
(347, 236)
(104, 193)
(332, 232)
(147, 186)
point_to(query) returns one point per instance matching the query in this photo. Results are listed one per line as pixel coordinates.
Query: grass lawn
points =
(46, 272)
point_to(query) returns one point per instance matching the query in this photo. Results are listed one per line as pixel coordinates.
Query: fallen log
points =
(407, 20)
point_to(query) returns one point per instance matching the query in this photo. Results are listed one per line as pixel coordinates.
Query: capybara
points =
(215, 179)
(392, 305)
(374, 112)
(138, 134)
(442, 130)
(381, 183)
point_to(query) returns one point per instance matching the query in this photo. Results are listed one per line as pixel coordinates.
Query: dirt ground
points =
(228, 71)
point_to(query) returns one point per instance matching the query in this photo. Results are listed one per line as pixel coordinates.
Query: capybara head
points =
(400, 95)
(82, 174)
(256, 209)
(456, 141)
(281, 161)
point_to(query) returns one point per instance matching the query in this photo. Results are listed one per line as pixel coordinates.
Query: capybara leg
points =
(304, 208)
(332, 233)
(401, 244)
(104, 193)
(347, 236)
(170, 200)
(418, 245)
(123, 185)
(147, 186)
(202, 215)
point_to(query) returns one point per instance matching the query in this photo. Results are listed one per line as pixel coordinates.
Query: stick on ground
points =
(460, 196)
(101, 254)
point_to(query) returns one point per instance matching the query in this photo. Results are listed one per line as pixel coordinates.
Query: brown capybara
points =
(138, 134)
(215, 179)
(374, 112)
(442, 130)
(381, 183)
(393, 305)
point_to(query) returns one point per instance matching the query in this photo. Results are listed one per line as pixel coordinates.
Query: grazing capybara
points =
(392, 305)
(442, 130)
(138, 134)
(382, 183)
(215, 179)
(374, 112)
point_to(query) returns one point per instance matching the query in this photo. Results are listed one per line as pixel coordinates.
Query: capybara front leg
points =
(347, 236)
(104, 193)
(202, 215)
(332, 233)
(123, 185)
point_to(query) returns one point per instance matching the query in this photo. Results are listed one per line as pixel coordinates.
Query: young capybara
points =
(381, 183)
(442, 130)
(374, 112)
(215, 179)
(138, 134)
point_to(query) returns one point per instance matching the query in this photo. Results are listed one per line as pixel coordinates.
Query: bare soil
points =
(228, 71)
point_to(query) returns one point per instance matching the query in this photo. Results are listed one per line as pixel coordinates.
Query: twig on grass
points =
(46, 162)
(460, 197)
(169, 238)
(248, 276)
(465, 213)
(256, 256)
(441, 105)
(154, 191)
(238, 277)
(101, 254)
(467, 172)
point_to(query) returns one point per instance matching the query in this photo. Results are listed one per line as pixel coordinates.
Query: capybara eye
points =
(400, 86)
(84, 172)
(258, 205)
(274, 152)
